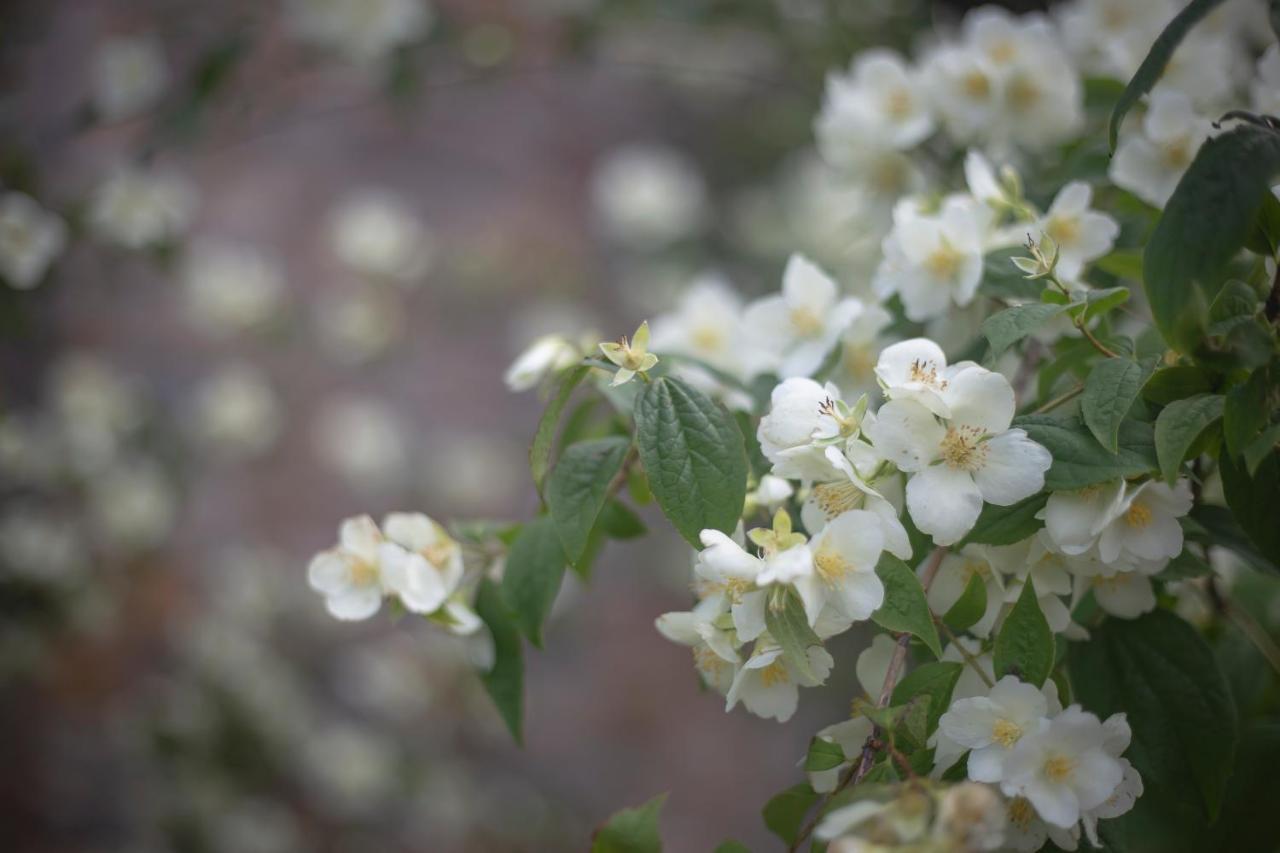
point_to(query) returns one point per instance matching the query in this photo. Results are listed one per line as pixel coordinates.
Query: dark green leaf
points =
(545, 437)
(1007, 525)
(1149, 72)
(619, 522)
(1255, 501)
(1025, 645)
(936, 680)
(692, 451)
(578, 486)
(789, 626)
(1216, 525)
(1204, 225)
(631, 830)
(905, 608)
(1078, 459)
(1184, 566)
(823, 755)
(1177, 383)
(535, 567)
(1011, 325)
(505, 680)
(1122, 263)
(1236, 303)
(970, 607)
(1158, 671)
(784, 814)
(1002, 280)
(1261, 447)
(1099, 302)
(732, 846)
(1178, 427)
(1245, 412)
(1110, 390)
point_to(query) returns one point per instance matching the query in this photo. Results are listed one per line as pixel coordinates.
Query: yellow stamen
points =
(1021, 812)
(1065, 230)
(362, 572)
(1137, 516)
(1058, 767)
(831, 567)
(963, 448)
(806, 322)
(775, 673)
(836, 499)
(1023, 95)
(944, 262)
(1006, 733)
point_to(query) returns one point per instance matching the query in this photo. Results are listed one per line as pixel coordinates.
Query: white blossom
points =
(422, 564)
(844, 557)
(132, 505)
(363, 441)
(1145, 524)
(801, 325)
(375, 234)
(357, 325)
(1074, 520)
(991, 725)
(128, 74)
(235, 411)
(879, 102)
(138, 208)
(31, 237)
(955, 571)
(768, 685)
(647, 196)
(1150, 161)
(713, 644)
(361, 31)
(802, 414)
(350, 575)
(543, 358)
(1080, 233)
(230, 287)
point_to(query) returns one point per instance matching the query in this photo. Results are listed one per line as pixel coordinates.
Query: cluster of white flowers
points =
(411, 557)
(362, 31)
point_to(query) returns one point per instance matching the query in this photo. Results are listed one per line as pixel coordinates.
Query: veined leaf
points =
(631, 830)
(578, 486)
(1025, 646)
(1177, 383)
(1079, 460)
(784, 814)
(1179, 425)
(905, 608)
(504, 681)
(1254, 499)
(823, 755)
(970, 607)
(1011, 325)
(1110, 390)
(1007, 525)
(936, 680)
(545, 437)
(535, 567)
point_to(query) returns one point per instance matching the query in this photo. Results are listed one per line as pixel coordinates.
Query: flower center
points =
(1002, 51)
(836, 499)
(437, 554)
(707, 339)
(1065, 230)
(362, 572)
(1177, 154)
(708, 662)
(976, 85)
(944, 262)
(1021, 812)
(806, 322)
(963, 449)
(1006, 733)
(1137, 516)
(735, 588)
(1058, 767)
(976, 567)
(898, 104)
(831, 567)
(926, 373)
(774, 674)
(1023, 95)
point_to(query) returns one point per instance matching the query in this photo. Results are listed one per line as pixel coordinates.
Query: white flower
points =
(879, 102)
(544, 357)
(965, 88)
(706, 325)
(954, 573)
(917, 370)
(1111, 37)
(1150, 162)
(362, 31)
(861, 485)
(136, 208)
(769, 686)
(802, 324)
(128, 75)
(1048, 572)
(1082, 235)
(1074, 520)
(933, 260)
(357, 325)
(860, 346)
(714, 646)
(1145, 524)
(132, 505)
(235, 411)
(991, 725)
(39, 545)
(350, 576)
(1127, 595)
(844, 575)
(422, 564)
(971, 816)
(956, 464)
(30, 239)
(375, 234)
(1026, 831)
(230, 287)
(363, 441)
(801, 413)
(723, 567)
(1122, 799)
(647, 196)
(945, 750)
(97, 408)
(772, 492)
(1265, 87)
(1064, 769)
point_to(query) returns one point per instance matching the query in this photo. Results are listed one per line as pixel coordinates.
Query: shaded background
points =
(183, 689)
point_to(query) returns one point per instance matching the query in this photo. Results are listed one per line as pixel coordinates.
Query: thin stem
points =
(965, 653)
(1059, 400)
(1097, 344)
(1243, 620)
(855, 773)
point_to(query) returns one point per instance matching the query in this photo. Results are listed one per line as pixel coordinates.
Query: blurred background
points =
(297, 245)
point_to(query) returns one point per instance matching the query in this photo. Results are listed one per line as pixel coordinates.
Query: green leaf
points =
(732, 846)
(1236, 303)
(1260, 448)
(1245, 411)
(692, 451)
(632, 830)
(1001, 279)
(545, 437)
(505, 680)
(911, 724)
(1179, 425)
(1184, 566)
(1079, 460)
(936, 680)
(823, 755)
(1011, 325)
(784, 814)
(970, 607)
(1149, 72)
(619, 522)
(1025, 645)
(1158, 671)
(1099, 302)
(1122, 263)
(1254, 500)
(535, 567)
(578, 486)
(789, 627)
(905, 608)
(1216, 525)
(1007, 525)
(1204, 225)
(1110, 390)
(1177, 383)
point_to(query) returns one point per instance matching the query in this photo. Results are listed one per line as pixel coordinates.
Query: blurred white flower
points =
(422, 564)
(128, 74)
(543, 358)
(97, 408)
(350, 575)
(376, 234)
(800, 326)
(769, 686)
(235, 411)
(352, 769)
(1150, 161)
(40, 546)
(1080, 233)
(137, 208)
(357, 325)
(30, 239)
(647, 196)
(230, 287)
(361, 31)
(363, 441)
(133, 505)
(705, 324)
(1111, 37)
(880, 102)
(1265, 86)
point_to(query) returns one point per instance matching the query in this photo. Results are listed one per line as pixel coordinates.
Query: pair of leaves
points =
(693, 453)
(1025, 646)
(1079, 460)
(905, 607)
(1158, 671)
